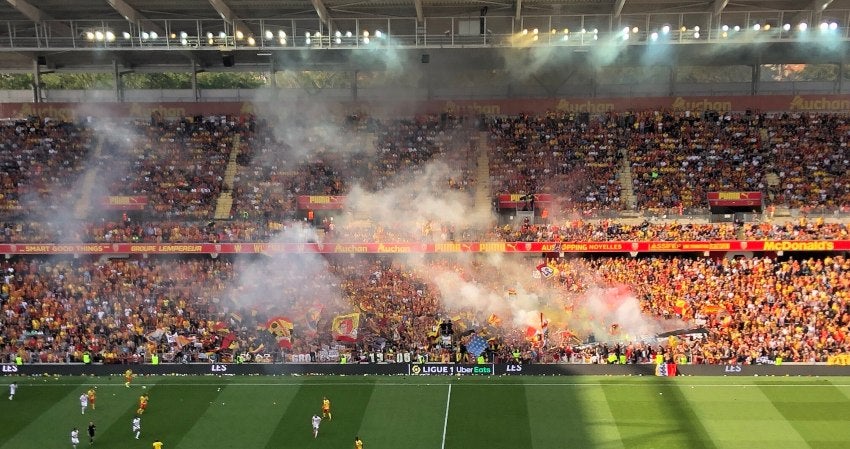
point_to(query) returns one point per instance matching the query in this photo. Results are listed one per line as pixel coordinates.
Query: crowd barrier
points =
(428, 369)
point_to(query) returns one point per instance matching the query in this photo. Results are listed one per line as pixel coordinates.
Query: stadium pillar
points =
(36, 85)
(116, 75)
(354, 85)
(839, 83)
(195, 81)
(672, 80)
(756, 79)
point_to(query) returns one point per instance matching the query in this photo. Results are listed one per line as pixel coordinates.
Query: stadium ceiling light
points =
(239, 35)
(154, 35)
(338, 40)
(317, 34)
(173, 35)
(338, 33)
(282, 41)
(696, 28)
(110, 36)
(767, 27)
(786, 27)
(803, 26)
(756, 27)
(696, 34)
(209, 35)
(348, 34)
(251, 41)
(184, 42)
(626, 30)
(184, 35)
(98, 35)
(366, 40)
(583, 31)
(145, 35)
(724, 28)
(222, 35)
(566, 37)
(269, 35)
(89, 35)
(635, 30)
(366, 32)
(665, 29)
(654, 36)
(126, 35)
(524, 31)
(554, 31)
(824, 26)
(724, 35)
(566, 31)
(736, 28)
(281, 34)
(833, 26)
(535, 38)
(377, 33)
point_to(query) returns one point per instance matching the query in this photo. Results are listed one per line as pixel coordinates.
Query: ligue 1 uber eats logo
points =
(448, 370)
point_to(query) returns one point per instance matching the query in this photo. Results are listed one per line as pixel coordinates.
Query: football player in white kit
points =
(316, 421)
(75, 437)
(84, 403)
(13, 388)
(137, 426)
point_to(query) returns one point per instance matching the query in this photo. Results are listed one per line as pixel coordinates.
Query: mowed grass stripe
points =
(741, 416)
(55, 424)
(255, 412)
(555, 417)
(820, 415)
(28, 407)
(173, 410)
(656, 417)
(484, 417)
(404, 417)
(348, 405)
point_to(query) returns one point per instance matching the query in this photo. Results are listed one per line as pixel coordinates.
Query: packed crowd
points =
(798, 159)
(178, 165)
(364, 231)
(574, 157)
(202, 309)
(39, 162)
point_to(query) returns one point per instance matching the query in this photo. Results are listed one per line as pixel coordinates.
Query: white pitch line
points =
(446, 420)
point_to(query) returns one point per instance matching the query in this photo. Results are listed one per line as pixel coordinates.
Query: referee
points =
(92, 429)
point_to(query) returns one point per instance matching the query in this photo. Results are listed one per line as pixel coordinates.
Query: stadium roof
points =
(158, 35)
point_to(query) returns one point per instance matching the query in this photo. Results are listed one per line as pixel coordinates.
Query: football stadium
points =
(425, 224)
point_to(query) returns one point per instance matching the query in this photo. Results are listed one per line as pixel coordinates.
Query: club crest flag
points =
(344, 327)
(281, 328)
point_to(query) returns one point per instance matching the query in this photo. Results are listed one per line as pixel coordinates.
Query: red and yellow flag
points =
(344, 327)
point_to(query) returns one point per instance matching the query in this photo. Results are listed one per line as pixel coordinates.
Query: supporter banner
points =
(515, 200)
(734, 198)
(838, 359)
(320, 202)
(765, 103)
(396, 248)
(125, 202)
(450, 369)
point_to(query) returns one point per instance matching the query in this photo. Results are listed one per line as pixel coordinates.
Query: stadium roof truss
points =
(157, 35)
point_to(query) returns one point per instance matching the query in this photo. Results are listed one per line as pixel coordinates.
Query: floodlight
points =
(269, 35)
(665, 29)
(89, 35)
(654, 36)
(98, 35)
(239, 34)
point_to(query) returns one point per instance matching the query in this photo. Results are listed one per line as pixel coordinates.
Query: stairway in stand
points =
(483, 197)
(83, 205)
(627, 191)
(225, 201)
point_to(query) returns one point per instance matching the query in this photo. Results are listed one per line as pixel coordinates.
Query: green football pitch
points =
(435, 412)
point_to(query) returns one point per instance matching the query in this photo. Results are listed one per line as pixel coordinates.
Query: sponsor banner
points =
(420, 248)
(740, 103)
(734, 199)
(515, 200)
(320, 202)
(449, 369)
(124, 202)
